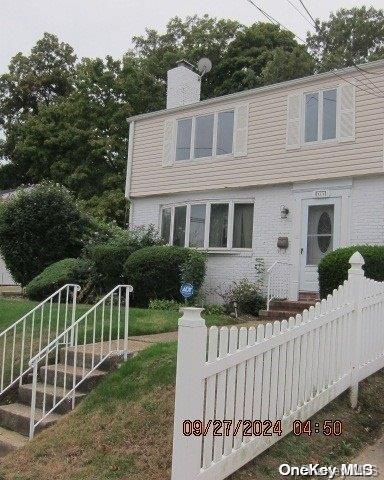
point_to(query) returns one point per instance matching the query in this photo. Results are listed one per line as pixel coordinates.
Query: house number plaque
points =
(322, 193)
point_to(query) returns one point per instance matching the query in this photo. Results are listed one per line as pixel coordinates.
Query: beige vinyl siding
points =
(268, 161)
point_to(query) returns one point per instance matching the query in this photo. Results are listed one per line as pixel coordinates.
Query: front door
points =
(320, 234)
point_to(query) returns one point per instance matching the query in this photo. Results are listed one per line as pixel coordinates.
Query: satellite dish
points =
(204, 65)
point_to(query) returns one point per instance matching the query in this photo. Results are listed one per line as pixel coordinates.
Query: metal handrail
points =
(72, 333)
(271, 294)
(34, 328)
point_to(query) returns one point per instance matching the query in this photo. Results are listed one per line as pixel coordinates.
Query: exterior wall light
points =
(284, 211)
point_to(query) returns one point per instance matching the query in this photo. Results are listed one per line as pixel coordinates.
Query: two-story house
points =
(285, 173)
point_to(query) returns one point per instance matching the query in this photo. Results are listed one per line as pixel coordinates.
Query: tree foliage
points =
(65, 120)
(39, 226)
(349, 37)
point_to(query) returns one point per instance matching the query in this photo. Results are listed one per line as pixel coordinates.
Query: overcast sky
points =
(102, 27)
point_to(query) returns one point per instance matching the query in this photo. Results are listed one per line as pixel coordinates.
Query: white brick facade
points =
(364, 205)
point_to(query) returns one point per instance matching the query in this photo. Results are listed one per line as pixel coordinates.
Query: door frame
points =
(305, 204)
(338, 188)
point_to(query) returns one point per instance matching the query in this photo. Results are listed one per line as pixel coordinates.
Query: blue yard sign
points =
(186, 290)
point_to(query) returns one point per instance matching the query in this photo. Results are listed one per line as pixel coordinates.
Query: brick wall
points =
(224, 268)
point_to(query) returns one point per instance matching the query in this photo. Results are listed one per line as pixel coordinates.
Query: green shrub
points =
(333, 268)
(247, 296)
(157, 272)
(214, 309)
(157, 304)
(69, 270)
(38, 227)
(109, 257)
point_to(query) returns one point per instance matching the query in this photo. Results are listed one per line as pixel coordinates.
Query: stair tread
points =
(12, 439)
(25, 410)
(50, 389)
(70, 369)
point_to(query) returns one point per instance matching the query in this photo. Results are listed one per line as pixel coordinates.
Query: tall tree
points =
(36, 79)
(261, 54)
(350, 36)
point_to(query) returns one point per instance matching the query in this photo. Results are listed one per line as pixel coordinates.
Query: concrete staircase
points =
(15, 417)
(283, 309)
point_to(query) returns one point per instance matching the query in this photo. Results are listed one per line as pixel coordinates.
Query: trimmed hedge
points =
(39, 226)
(333, 268)
(69, 270)
(109, 257)
(157, 271)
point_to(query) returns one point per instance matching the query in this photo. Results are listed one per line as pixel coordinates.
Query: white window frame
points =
(231, 209)
(320, 116)
(214, 155)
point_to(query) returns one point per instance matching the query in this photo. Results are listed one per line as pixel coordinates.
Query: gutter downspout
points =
(129, 169)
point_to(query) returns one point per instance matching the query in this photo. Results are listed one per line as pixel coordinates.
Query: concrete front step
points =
(16, 417)
(25, 395)
(10, 441)
(88, 358)
(69, 372)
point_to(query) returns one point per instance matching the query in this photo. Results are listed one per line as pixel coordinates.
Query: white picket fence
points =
(286, 371)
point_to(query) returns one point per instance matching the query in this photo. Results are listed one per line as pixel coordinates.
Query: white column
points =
(189, 397)
(355, 287)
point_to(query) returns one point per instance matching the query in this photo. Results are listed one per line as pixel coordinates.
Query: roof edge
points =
(252, 91)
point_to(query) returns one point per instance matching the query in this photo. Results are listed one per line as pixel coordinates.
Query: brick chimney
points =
(183, 85)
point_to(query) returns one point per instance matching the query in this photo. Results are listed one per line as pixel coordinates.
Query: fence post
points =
(355, 281)
(189, 397)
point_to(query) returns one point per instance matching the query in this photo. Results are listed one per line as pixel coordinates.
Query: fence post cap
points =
(191, 317)
(356, 261)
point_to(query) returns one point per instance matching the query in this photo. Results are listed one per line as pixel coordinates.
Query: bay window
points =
(179, 226)
(212, 225)
(218, 230)
(205, 135)
(166, 224)
(197, 225)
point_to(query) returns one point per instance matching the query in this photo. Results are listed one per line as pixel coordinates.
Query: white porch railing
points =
(32, 332)
(97, 335)
(244, 381)
(278, 279)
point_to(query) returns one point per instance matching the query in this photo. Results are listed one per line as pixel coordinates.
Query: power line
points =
(306, 9)
(354, 64)
(300, 12)
(269, 17)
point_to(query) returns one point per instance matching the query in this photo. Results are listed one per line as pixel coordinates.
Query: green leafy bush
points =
(39, 226)
(214, 309)
(248, 297)
(333, 268)
(157, 271)
(158, 304)
(69, 270)
(110, 256)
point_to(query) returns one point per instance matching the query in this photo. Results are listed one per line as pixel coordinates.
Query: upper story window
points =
(205, 136)
(212, 225)
(320, 115)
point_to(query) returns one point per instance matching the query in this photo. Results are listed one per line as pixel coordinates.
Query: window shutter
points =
(347, 113)
(240, 148)
(294, 121)
(169, 143)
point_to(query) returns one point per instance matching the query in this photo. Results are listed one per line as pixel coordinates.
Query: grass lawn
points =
(123, 430)
(142, 321)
